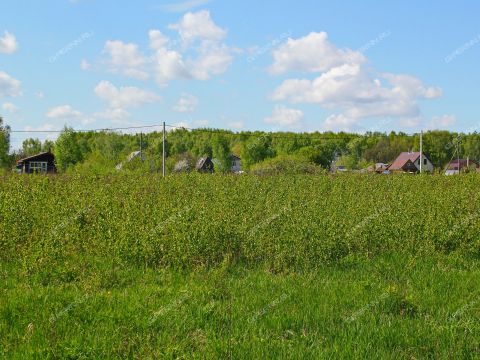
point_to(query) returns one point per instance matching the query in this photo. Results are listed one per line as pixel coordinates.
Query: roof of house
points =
(235, 157)
(403, 158)
(453, 165)
(381, 166)
(201, 162)
(130, 158)
(34, 156)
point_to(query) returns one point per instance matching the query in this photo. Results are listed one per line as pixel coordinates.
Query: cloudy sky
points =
(299, 65)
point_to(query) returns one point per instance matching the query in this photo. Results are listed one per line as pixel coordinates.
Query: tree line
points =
(101, 151)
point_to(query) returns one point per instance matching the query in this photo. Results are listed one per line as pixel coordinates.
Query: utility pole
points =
(458, 156)
(141, 146)
(163, 147)
(421, 151)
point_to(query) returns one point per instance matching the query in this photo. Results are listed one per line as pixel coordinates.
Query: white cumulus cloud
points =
(187, 103)
(66, 112)
(115, 115)
(124, 97)
(199, 52)
(285, 117)
(11, 108)
(198, 25)
(345, 84)
(340, 122)
(169, 65)
(442, 122)
(312, 53)
(126, 59)
(157, 39)
(8, 43)
(213, 59)
(63, 112)
(9, 87)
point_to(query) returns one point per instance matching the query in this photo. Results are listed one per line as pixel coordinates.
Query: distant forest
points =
(100, 152)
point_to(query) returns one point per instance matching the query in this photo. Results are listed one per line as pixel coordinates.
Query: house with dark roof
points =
(459, 165)
(205, 165)
(409, 162)
(42, 163)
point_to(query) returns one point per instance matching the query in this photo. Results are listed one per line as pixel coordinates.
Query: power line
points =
(272, 135)
(219, 131)
(84, 130)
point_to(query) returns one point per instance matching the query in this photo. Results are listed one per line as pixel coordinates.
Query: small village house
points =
(236, 164)
(42, 163)
(205, 165)
(459, 165)
(409, 162)
(379, 168)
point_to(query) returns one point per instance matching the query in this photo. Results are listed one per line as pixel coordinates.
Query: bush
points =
(286, 164)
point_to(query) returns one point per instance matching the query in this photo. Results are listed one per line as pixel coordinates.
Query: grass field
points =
(240, 267)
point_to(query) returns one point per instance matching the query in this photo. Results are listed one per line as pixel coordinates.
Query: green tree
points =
(257, 149)
(439, 146)
(349, 161)
(31, 147)
(221, 153)
(4, 144)
(321, 154)
(471, 146)
(68, 150)
(48, 145)
(202, 144)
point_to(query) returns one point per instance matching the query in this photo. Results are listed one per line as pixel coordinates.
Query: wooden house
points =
(205, 165)
(42, 163)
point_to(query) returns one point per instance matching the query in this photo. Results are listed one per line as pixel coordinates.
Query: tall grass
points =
(239, 267)
(191, 221)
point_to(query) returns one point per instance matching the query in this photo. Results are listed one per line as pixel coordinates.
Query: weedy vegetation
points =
(241, 267)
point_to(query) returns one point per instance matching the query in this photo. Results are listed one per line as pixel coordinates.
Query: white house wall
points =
(427, 168)
(236, 166)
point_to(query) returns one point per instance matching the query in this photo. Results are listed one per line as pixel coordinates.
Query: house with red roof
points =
(461, 165)
(410, 162)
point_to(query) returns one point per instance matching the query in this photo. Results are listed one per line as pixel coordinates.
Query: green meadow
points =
(239, 267)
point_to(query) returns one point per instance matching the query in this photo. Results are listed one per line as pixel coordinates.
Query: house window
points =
(424, 161)
(38, 166)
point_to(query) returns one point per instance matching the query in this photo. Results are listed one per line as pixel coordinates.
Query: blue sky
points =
(243, 65)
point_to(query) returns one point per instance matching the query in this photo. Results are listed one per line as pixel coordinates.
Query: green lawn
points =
(390, 307)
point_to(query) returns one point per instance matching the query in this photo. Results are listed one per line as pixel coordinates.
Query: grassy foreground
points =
(239, 267)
